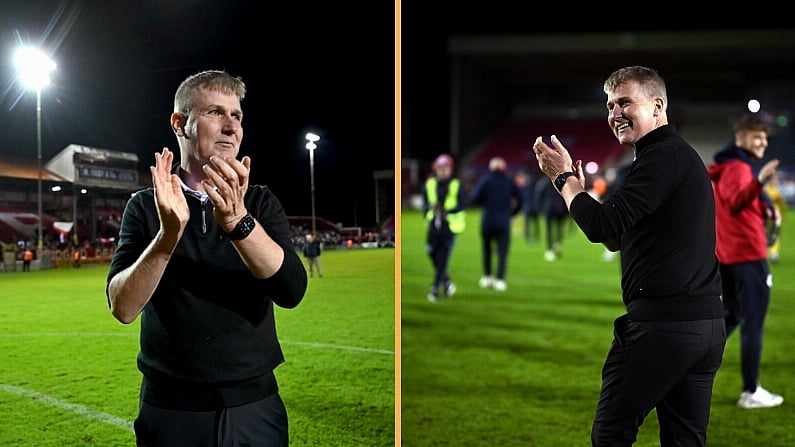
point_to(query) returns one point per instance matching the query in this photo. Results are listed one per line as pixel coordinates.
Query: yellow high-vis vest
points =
(456, 221)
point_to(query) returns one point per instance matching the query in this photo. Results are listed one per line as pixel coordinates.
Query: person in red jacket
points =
(740, 211)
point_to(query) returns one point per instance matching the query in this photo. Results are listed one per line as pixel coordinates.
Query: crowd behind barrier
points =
(59, 255)
(334, 240)
(54, 255)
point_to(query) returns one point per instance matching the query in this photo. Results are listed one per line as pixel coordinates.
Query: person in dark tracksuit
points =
(500, 200)
(669, 345)
(444, 202)
(741, 210)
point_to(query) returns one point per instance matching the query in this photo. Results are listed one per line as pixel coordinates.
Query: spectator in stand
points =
(500, 200)
(741, 210)
(204, 257)
(444, 202)
(312, 249)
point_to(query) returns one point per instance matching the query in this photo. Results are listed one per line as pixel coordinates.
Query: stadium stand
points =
(587, 139)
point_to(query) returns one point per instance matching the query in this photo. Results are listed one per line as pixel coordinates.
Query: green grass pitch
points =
(68, 375)
(522, 367)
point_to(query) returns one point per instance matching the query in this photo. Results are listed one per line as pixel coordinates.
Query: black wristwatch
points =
(560, 180)
(242, 229)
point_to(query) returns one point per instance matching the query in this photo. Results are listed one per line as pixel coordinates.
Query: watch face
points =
(560, 180)
(243, 228)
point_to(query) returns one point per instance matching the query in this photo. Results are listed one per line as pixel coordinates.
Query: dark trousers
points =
(667, 365)
(440, 247)
(499, 237)
(262, 423)
(746, 297)
(531, 227)
(556, 225)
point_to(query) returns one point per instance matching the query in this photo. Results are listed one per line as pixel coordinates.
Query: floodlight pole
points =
(312, 186)
(38, 153)
(311, 138)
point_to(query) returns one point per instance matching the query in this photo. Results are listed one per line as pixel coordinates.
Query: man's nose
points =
(231, 125)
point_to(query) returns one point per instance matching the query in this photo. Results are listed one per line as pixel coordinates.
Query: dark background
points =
(704, 59)
(325, 67)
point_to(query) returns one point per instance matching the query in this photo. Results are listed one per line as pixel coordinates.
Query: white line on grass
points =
(75, 408)
(347, 348)
(122, 334)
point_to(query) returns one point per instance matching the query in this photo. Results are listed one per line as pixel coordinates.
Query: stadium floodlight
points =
(311, 140)
(34, 67)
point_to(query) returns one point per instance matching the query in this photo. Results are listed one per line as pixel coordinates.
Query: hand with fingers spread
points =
(172, 208)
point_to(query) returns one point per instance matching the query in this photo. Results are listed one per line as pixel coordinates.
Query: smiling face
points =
(754, 142)
(212, 127)
(632, 112)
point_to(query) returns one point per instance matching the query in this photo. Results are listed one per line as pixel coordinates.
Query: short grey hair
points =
(214, 80)
(650, 81)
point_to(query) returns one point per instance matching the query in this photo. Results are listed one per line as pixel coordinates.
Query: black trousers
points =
(746, 296)
(501, 238)
(262, 424)
(667, 365)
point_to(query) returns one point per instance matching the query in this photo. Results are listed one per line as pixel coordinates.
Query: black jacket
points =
(208, 335)
(500, 199)
(664, 215)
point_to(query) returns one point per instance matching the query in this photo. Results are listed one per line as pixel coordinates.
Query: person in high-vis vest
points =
(443, 206)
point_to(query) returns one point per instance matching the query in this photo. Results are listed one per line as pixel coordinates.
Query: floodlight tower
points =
(34, 67)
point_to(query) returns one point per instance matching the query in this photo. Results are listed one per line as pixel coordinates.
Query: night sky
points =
(325, 67)
(427, 26)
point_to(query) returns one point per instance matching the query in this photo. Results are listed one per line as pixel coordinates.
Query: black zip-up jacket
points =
(664, 215)
(208, 335)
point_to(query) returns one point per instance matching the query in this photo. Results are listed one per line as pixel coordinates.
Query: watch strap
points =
(242, 229)
(560, 180)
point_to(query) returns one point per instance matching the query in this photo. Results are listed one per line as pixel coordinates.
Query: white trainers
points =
(433, 295)
(449, 289)
(761, 398)
(485, 282)
(499, 285)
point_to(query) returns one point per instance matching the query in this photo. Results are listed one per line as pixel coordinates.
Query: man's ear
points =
(658, 106)
(178, 124)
